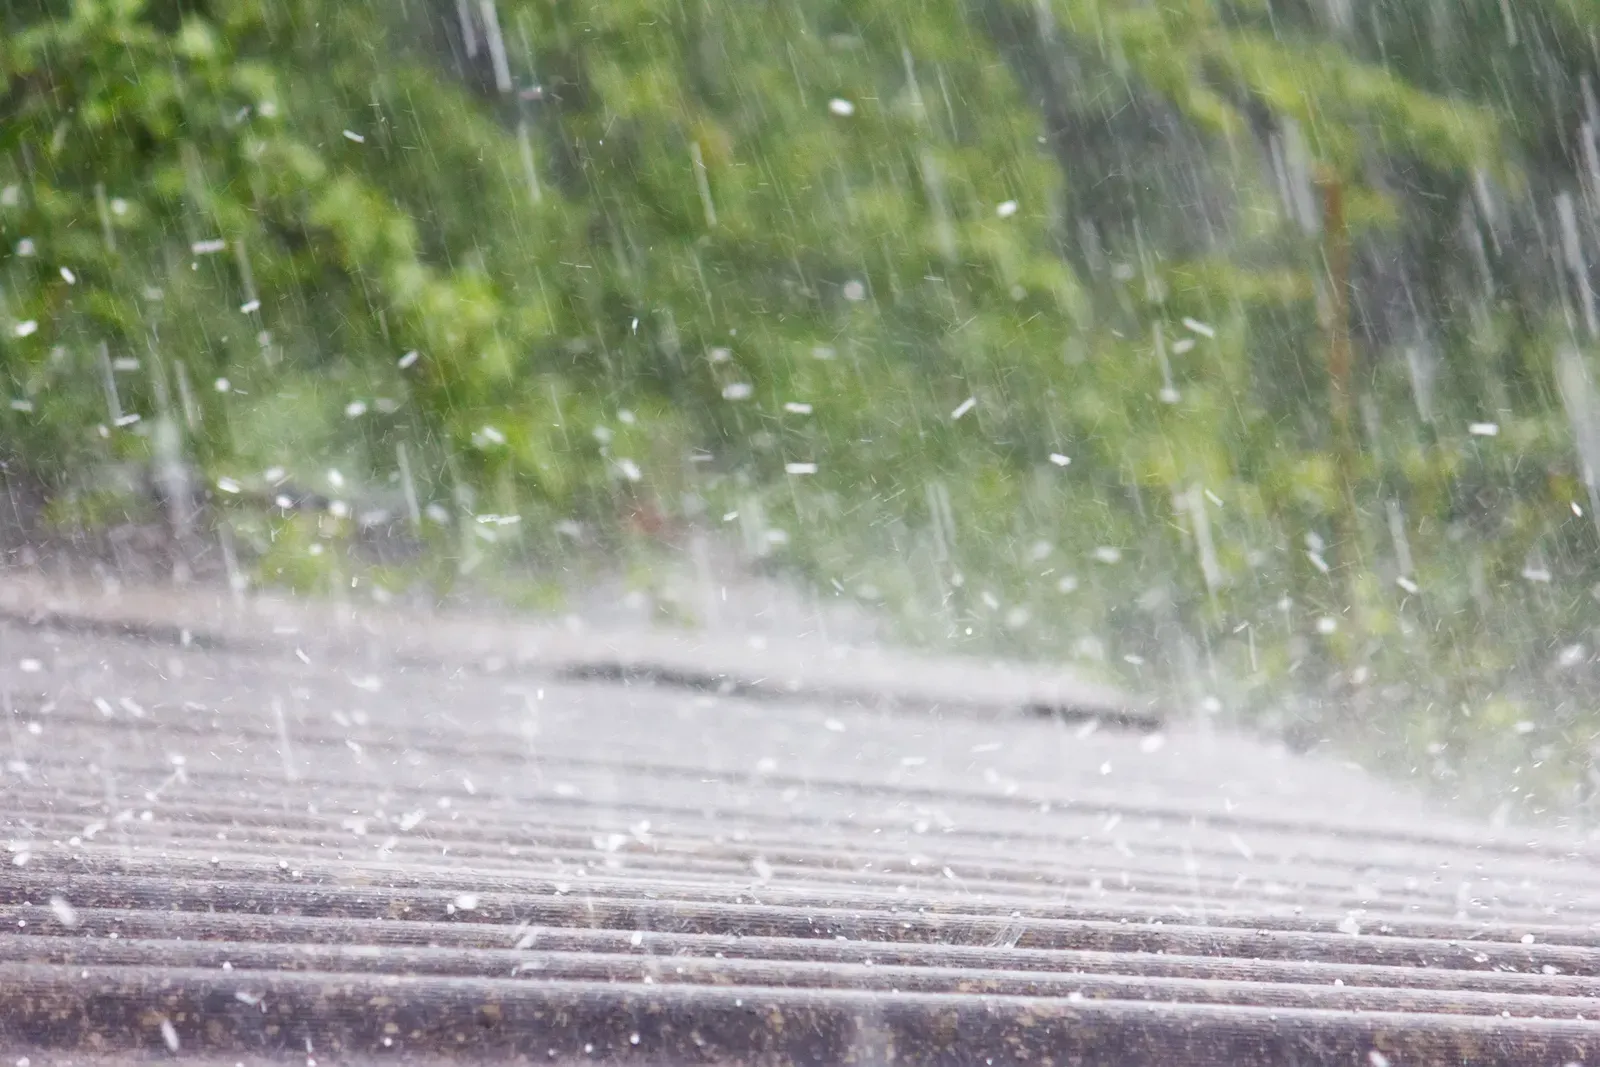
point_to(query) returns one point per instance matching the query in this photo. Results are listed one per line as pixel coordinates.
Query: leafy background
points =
(1241, 350)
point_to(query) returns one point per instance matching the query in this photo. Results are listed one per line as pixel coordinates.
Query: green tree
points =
(1029, 320)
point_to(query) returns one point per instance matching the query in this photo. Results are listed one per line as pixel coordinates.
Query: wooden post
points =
(1336, 251)
(1336, 255)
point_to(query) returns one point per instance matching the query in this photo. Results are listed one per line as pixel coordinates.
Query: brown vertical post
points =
(1336, 250)
(1336, 254)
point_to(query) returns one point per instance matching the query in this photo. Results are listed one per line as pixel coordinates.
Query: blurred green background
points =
(1241, 351)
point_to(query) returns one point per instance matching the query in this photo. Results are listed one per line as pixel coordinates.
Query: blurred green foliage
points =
(1008, 317)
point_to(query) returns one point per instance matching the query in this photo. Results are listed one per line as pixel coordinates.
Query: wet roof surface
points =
(279, 843)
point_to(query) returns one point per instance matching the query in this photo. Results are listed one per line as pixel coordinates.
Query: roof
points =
(256, 831)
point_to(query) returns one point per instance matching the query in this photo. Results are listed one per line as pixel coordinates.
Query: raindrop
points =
(841, 107)
(1169, 392)
(64, 912)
